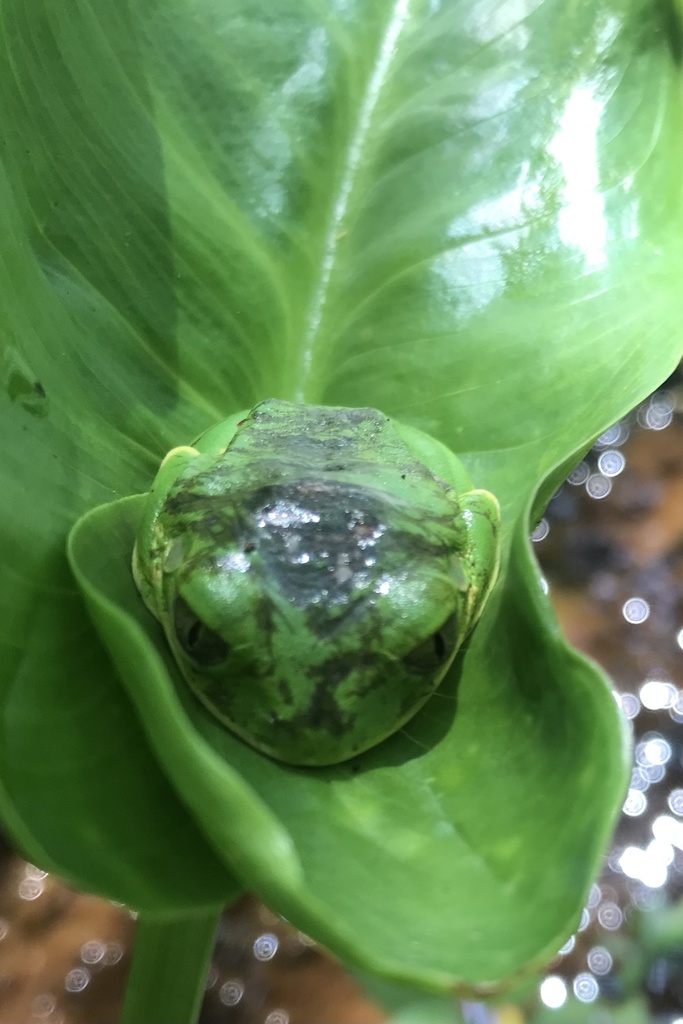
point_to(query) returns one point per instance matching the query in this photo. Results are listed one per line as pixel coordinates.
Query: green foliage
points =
(466, 214)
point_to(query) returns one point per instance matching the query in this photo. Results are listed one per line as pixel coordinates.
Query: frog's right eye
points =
(436, 650)
(199, 642)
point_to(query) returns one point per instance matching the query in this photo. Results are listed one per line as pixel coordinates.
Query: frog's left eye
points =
(201, 643)
(434, 652)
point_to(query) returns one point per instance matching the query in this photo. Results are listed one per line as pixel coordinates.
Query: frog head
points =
(314, 577)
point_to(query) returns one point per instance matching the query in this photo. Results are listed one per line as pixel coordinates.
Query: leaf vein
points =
(387, 51)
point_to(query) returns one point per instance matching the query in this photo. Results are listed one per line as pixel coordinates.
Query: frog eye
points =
(437, 649)
(201, 643)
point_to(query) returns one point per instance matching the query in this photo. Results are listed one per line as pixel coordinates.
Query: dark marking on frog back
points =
(325, 544)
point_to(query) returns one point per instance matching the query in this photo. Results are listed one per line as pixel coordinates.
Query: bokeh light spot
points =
(579, 475)
(553, 992)
(598, 486)
(43, 1005)
(92, 952)
(113, 954)
(586, 988)
(656, 694)
(30, 888)
(630, 704)
(600, 960)
(265, 946)
(611, 462)
(541, 531)
(277, 1017)
(668, 830)
(635, 611)
(615, 436)
(77, 979)
(635, 803)
(653, 750)
(610, 916)
(646, 866)
(231, 992)
(659, 414)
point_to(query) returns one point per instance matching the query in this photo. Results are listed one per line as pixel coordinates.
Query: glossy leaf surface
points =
(467, 215)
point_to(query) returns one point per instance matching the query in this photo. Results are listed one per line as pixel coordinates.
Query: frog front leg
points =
(148, 560)
(480, 516)
(216, 440)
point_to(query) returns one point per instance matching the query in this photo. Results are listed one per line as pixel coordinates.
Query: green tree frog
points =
(315, 571)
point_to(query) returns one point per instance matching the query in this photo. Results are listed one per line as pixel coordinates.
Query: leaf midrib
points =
(340, 200)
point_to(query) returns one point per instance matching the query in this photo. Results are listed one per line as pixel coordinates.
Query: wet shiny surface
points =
(614, 566)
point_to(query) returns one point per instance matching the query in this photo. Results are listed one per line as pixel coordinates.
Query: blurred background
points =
(611, 551)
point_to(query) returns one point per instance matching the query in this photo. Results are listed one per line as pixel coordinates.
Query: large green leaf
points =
(466, 214)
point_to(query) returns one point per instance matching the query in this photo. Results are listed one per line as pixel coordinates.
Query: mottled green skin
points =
(315, 570)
